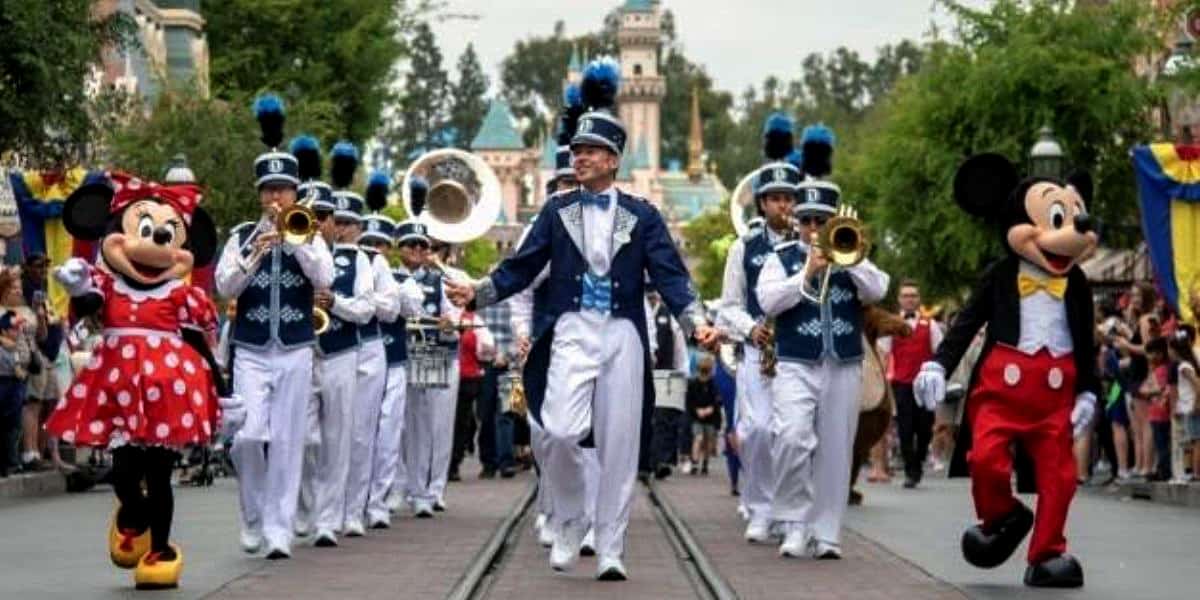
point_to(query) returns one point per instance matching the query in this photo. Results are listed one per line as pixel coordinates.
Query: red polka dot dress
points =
(143, 385)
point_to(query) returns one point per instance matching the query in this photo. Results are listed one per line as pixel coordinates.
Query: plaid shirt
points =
(499, 321)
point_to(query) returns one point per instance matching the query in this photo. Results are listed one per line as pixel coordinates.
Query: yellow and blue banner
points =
(1168, 180)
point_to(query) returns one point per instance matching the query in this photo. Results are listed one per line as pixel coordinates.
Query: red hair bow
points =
(127, 189)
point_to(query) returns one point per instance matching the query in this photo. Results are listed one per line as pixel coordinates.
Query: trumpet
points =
(320, 320)
(297, 225)
(844, 241)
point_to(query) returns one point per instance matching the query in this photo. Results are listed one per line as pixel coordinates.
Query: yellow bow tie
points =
(1028, 285)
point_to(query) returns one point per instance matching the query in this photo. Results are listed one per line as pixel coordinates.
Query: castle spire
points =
(695, 168)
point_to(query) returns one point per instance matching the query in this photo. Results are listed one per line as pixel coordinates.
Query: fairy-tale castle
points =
(680, 194)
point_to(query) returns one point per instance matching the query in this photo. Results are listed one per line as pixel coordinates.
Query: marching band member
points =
(371, 369)
(401, 299)
(818, 378)
(587, 377)
(430, 417)
(740, 312)
(274, 285)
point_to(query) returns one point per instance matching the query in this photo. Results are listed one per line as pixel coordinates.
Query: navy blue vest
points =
(808, 332)
(370, 331)
(342, 335)
(757, 250)
(431, 284)
(395, 334)
(277, 305)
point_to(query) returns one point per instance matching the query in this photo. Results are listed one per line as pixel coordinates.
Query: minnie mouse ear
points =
(86, 211)
(202, 238)
(983, 184)
(1082, 182)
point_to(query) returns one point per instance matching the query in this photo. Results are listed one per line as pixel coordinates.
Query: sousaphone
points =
(741, 204)
(464, 196)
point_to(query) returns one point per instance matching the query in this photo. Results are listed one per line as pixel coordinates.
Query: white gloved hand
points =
(930, 385)
(233, 415)
(1083, 413)
(76, 276)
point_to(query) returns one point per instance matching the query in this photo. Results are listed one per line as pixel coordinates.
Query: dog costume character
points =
(147, 390)
(877, 402)
(1035, 384)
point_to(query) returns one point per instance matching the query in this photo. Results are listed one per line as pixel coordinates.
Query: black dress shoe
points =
(508, 472)
(909, 483)
(453, 476)
(487, 474)
(855, 498)
(989, 548)
(1062, 571)
(662, 472)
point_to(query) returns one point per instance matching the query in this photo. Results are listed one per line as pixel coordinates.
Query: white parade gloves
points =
(1083, 413)
(930, 385)
(233, 415)
(76, 276)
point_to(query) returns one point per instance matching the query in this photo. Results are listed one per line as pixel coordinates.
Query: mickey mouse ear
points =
(202, 238)
(983, 183)
(1082, 182)
(86, 211)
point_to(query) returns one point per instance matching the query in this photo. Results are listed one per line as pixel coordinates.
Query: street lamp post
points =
(1046, 157)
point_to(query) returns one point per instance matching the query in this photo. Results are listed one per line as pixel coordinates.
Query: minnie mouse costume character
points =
(147, 391)
(1035, 383)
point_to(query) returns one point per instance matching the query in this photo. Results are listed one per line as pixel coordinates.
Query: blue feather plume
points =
(343, 164)
(601, 82)
(378, 186)
(418, 189)
(307, 151)
(816, 144)
(778, 138)
(268, 110)
(572, 96)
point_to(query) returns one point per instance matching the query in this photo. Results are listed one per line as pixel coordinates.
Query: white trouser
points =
(275, 387)
(387, 443)
(444, 404)
(814, 421)
(537, 445)
(426, 432)
(306, 506)
(594, 383)
(754, 408)
(368, 398)
(591, 481)
(338, 388)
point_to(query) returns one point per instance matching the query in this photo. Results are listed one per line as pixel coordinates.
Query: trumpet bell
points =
(320, 321)
(297, 224)
(464, 194)
(845, 241)
(741, 204)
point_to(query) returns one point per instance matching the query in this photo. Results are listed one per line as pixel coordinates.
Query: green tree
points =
(707, 238)
(47, 50)
(420, 116)
(478, 256)
(467, 97)
(340, 54)
(1008, 73)
(220, 140)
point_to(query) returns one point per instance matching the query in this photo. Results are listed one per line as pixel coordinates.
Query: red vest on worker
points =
(468, 346)
(910, 352)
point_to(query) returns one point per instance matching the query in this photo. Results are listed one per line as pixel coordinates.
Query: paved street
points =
(901, 544)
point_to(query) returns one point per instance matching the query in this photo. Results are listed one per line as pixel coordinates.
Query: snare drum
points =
(670, 389)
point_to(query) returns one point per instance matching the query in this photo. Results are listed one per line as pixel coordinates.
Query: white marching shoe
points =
(423, 509)
(325, 539)
(588, 547)
(610, 568)
(565, 551)
(758, 531)
(278, 550)
(546, 535)
(353, 529)
(251, 541)
(796, 541)
(826, 551)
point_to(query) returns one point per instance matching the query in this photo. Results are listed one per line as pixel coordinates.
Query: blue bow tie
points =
(600, 200)
(597, 293)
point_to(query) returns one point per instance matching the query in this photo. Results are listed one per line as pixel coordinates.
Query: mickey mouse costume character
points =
(1035, 383)
(147, 391)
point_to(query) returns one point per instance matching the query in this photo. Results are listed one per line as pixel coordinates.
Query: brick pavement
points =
(416, 558)
(867, 571)
(654, 568)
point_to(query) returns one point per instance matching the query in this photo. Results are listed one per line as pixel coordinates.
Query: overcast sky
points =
(740, 42)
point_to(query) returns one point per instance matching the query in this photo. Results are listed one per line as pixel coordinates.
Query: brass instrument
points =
(844, 241)
(742, 208)
(297, 225)
(464, 195)
(320, 320)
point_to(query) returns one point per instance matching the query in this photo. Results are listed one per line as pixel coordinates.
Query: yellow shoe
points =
(126, 546)
(155, 574)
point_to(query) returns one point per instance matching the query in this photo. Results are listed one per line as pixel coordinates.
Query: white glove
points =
(76, 276)
(930, 385)
(1083, 413)
(233, 415)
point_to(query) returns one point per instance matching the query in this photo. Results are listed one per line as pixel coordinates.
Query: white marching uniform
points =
(274, 384)
(815, 413)
(368, 397)
(429, 427)
(754, 397)
(387, 463)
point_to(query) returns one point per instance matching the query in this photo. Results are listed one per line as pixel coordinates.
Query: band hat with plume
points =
(343, 163)
(411, 230)
(307, 151)
(598, 90)
(568, 124)
(777, 175)
(273, 166)
(817, 195)
(378, 227)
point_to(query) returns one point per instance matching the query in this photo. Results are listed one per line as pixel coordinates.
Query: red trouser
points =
(1025, 398)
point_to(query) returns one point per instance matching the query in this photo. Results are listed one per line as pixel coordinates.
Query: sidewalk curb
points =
(33, 485)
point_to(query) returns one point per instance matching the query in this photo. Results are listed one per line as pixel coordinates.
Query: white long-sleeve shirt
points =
(884, 345)
(314, 258)
(778, 292)
(485, 342)
(360, 307)
(386, 292)
(733, 315)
